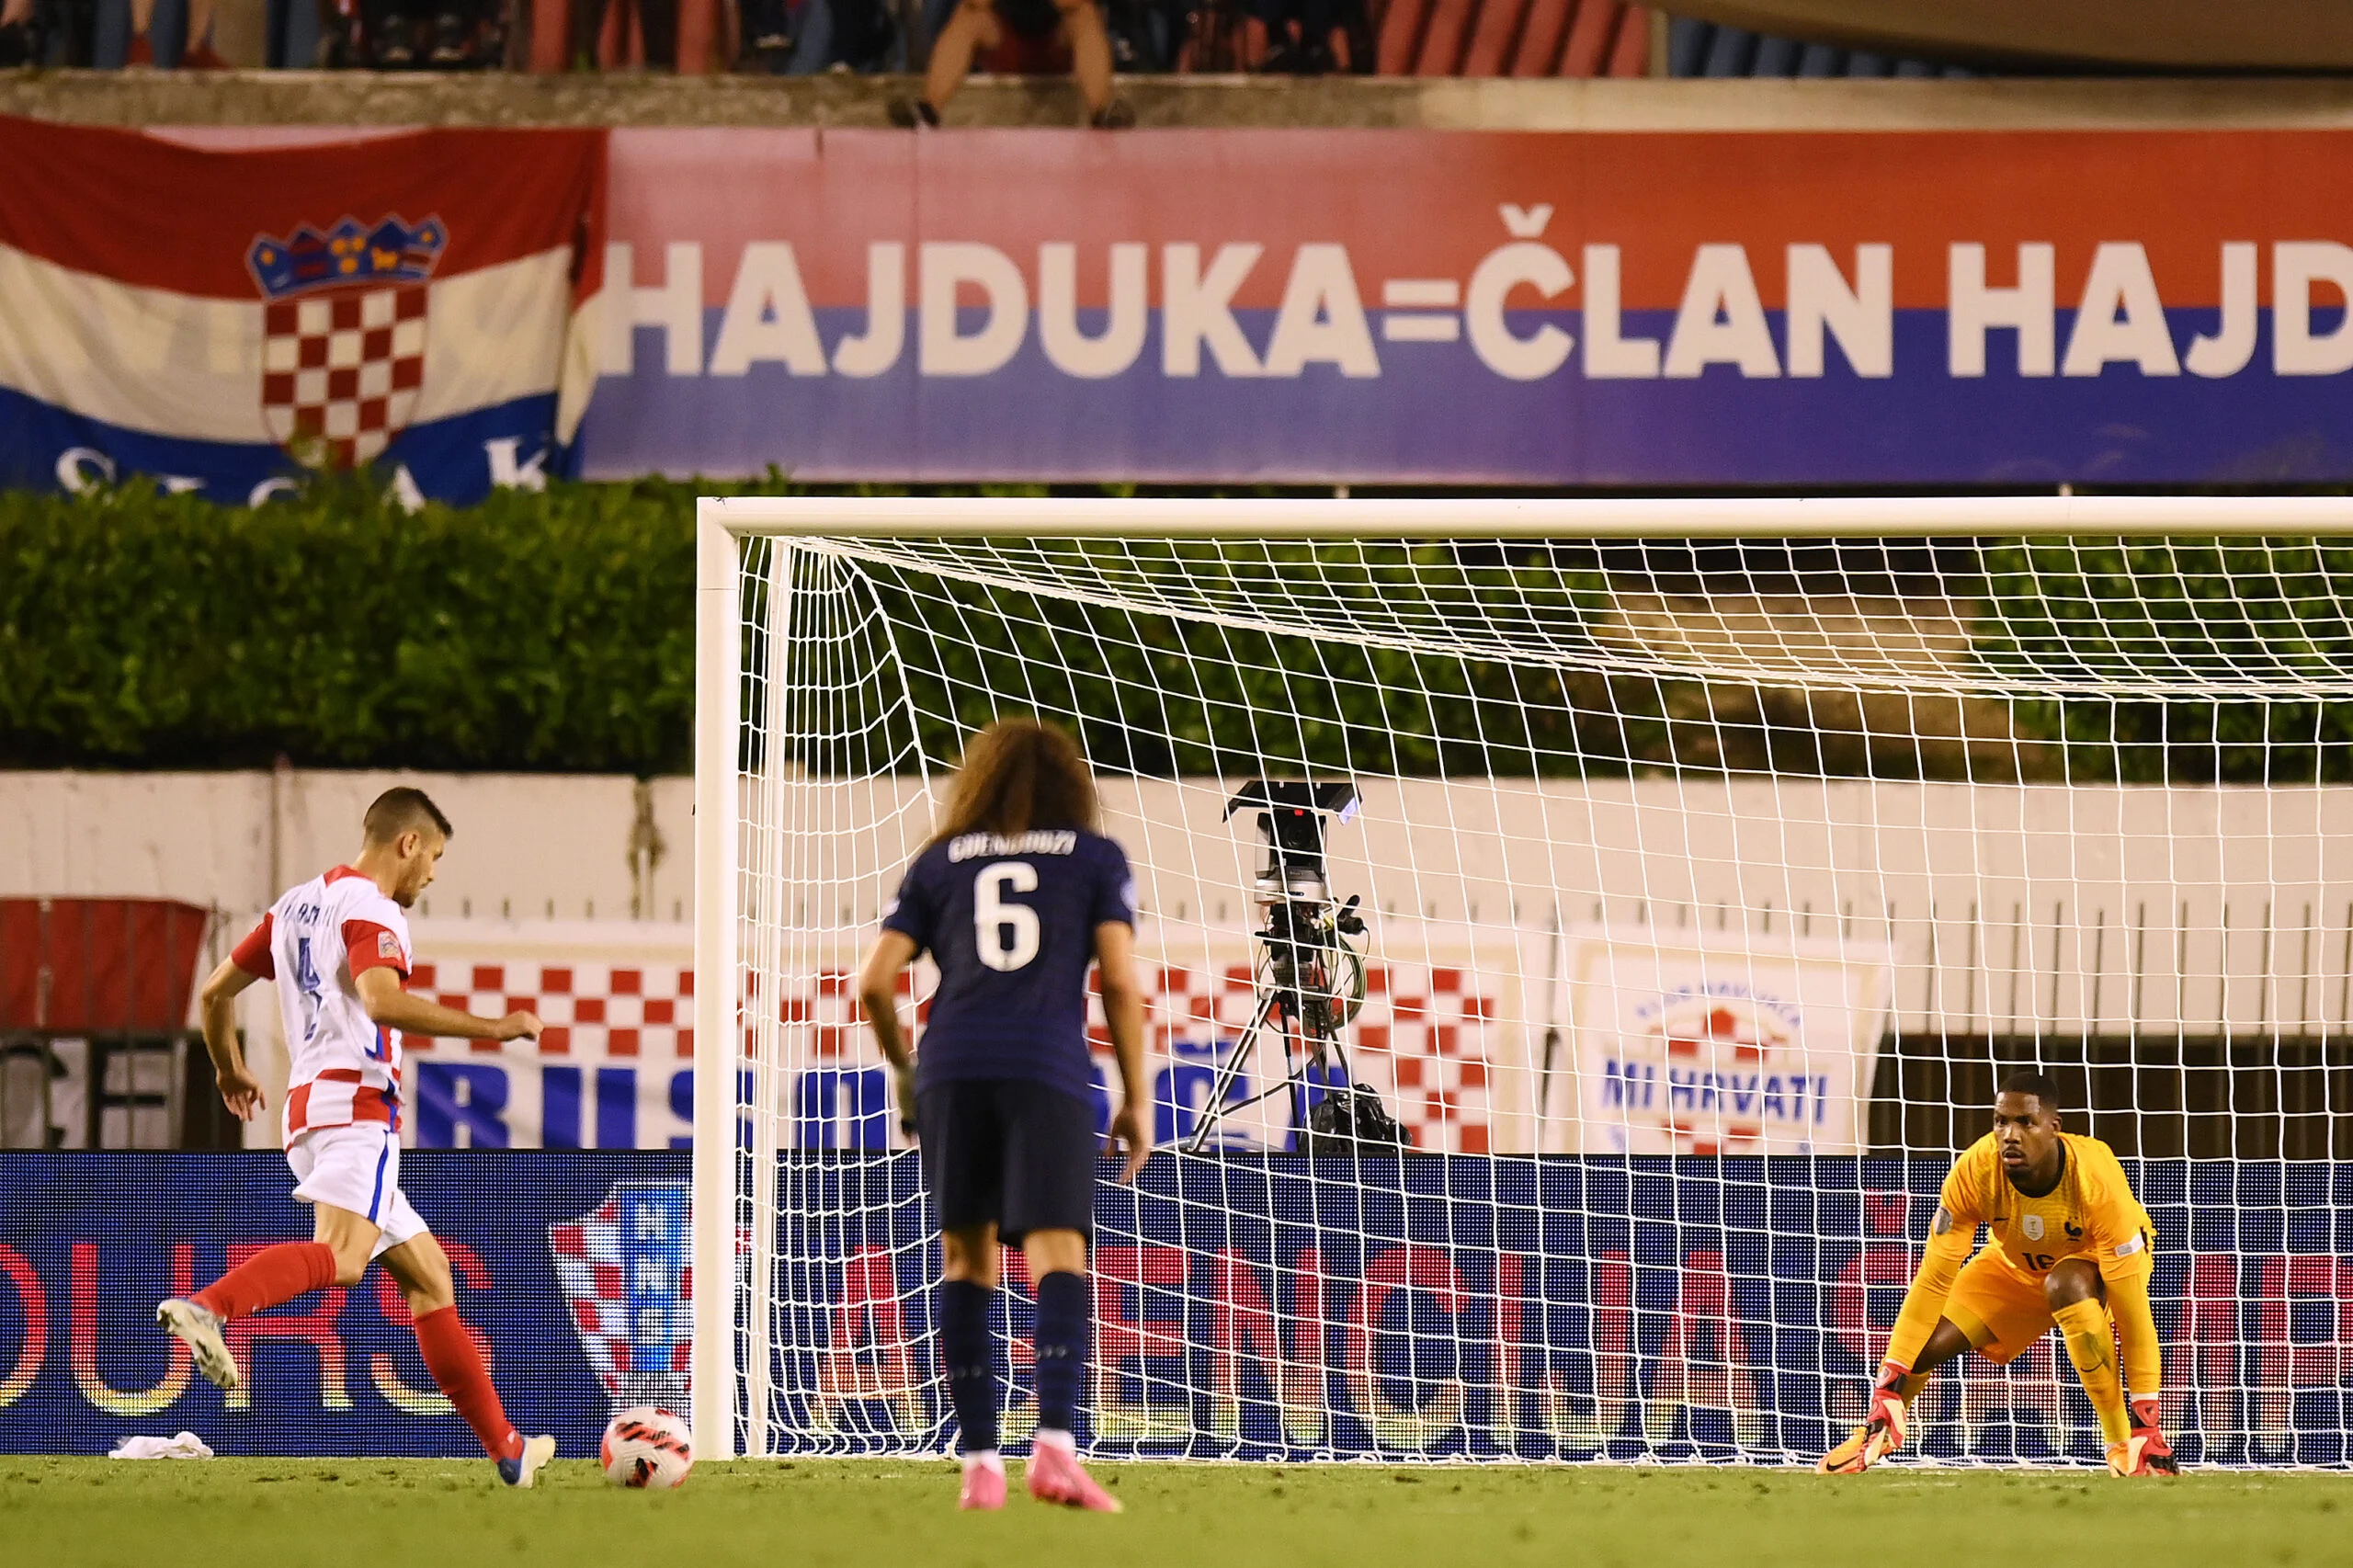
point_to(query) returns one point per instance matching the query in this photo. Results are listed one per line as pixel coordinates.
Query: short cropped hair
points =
(1018, 774)
(2028, 1081)
(403, 809)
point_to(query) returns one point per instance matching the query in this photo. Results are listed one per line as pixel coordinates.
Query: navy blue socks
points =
(965, 1356)
(1066, 1318)
(1065, 1323)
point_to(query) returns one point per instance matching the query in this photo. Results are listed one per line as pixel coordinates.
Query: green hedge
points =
(2201, 615)
(554, 632)
(536, 631)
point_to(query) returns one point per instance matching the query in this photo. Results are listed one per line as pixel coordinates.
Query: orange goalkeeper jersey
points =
(2091, 1213)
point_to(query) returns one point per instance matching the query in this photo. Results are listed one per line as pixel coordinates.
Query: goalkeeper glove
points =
(2146, 1452)
(1881, 1432)
(1883, 1423)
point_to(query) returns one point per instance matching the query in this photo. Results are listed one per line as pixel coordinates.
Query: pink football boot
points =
(1056, 1476)
(983, 1487)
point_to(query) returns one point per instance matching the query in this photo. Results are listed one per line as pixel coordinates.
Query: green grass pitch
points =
(61, 1513)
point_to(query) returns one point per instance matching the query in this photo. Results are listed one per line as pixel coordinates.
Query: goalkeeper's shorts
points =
(1008, 1152)
(2003, 1310)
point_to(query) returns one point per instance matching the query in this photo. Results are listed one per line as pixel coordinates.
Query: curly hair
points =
(1018, 774)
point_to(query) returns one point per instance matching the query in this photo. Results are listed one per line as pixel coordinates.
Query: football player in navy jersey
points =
(1014, 896)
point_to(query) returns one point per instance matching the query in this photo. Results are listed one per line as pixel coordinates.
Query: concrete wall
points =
(297, 98)
(528, 847)
(2012, 907)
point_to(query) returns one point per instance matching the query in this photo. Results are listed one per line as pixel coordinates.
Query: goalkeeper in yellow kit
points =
(2070, 1246)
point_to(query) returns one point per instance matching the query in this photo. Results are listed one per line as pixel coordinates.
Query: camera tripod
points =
(1299, 1001)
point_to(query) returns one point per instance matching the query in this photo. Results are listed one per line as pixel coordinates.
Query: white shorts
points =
(357, 1168)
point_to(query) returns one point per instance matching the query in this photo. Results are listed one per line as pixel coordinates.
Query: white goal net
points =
(1686, 883)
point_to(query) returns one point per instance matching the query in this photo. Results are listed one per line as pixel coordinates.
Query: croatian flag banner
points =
(223, 320)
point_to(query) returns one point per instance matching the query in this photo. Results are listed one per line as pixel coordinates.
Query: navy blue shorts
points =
(1010, 1151)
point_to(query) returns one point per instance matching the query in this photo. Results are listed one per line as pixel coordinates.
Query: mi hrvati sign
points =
(1680, 1044)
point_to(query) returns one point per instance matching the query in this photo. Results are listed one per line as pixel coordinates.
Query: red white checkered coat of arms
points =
(343, 351)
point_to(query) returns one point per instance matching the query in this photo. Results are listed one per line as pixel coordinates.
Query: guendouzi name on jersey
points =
(1010, 920)
(315, 942)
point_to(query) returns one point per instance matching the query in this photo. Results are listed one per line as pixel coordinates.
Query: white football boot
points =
(200, 1332)
(523, 1471)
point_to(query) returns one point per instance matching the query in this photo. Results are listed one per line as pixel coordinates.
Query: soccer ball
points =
(647, 1447)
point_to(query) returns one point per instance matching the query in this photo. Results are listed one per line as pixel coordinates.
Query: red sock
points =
(456, 1365)
(272, 1275)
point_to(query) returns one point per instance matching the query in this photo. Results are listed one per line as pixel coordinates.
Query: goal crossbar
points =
(1858, 517)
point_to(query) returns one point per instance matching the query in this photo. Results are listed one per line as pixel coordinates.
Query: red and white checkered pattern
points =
(591, 1269)
(591, 1010)
(591, 1265)
(828, 1023)
(641, 1361)
(341, 373)
(1425, 1040)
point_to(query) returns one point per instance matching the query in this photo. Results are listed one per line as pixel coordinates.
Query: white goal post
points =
(1717, 852)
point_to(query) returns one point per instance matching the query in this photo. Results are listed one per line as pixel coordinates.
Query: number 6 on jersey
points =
(1006, 934)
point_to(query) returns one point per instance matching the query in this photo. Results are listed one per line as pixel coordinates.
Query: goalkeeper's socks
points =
(456, 1364)
(2091, 1345)
(966, 1357)
(1066, 1316)
(272, 1275)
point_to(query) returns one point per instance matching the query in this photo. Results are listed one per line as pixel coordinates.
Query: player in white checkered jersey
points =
(337, 947)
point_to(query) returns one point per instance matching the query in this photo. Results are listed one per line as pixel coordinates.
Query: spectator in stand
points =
(18, 42)
(434, 35)
(412, 35)
(196, 56)
(1148, 35)
(802, 37)
(770, 38)
(982, 23)
(657, 22)
(1300, 35)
